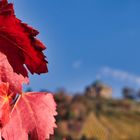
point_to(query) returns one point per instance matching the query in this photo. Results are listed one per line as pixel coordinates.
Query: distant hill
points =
(82, 117)
(117, 120)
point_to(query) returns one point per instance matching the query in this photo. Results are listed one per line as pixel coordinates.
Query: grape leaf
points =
(18, 43)
(8, 75)
(4, 104)
(33, 115)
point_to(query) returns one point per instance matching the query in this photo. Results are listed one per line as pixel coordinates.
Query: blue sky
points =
(83, 38)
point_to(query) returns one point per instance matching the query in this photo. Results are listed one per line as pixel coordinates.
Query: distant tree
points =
(128, 93)
(83, 137)
(29, 89)
(69, 137)
(138, 94)
(45, 90)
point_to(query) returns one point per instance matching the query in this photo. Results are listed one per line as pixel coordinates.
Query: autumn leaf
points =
(7, 75)
(33, 115)
(22, 115)
(18, 42)
(5, 100)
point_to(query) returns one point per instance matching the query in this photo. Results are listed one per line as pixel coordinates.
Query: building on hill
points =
(98, 89)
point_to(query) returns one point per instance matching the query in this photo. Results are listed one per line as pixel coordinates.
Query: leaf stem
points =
(18, 98)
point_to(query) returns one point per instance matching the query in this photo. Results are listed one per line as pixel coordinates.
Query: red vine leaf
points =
(32, 114)
(8, 75)
(18, 43)
(4, 104)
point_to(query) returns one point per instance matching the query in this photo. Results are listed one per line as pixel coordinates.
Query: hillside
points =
(82, 117)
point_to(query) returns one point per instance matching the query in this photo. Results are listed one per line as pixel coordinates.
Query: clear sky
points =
(86, 40)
